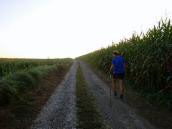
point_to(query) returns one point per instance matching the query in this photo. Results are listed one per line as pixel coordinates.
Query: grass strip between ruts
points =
(87, 113)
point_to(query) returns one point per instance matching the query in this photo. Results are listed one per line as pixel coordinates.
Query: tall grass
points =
(149, 62)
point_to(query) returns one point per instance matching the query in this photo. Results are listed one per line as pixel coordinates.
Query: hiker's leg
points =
(122, 86)
(114, 85)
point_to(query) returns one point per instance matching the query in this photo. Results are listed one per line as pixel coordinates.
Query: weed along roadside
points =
(87, 113)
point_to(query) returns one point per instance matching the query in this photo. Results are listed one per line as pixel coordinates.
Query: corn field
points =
(149, 61)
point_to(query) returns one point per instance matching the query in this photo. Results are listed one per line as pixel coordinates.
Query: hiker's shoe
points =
(121, 97)
(115, 93)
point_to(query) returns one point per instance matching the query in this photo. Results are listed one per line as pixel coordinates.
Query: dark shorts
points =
(119, 75)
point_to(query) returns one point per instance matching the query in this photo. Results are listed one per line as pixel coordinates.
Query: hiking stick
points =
(110, 99)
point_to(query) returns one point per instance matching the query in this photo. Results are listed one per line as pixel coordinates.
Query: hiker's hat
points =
(116, 52)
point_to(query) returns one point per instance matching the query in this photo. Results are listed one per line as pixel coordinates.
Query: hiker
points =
(118, 72)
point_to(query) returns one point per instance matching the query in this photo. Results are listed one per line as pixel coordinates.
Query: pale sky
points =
(70, 28)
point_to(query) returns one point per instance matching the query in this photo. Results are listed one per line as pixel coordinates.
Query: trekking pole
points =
(110, 99)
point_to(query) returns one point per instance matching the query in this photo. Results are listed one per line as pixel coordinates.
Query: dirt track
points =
(60, 110)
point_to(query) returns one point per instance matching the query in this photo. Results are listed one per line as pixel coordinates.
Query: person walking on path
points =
(118, 72)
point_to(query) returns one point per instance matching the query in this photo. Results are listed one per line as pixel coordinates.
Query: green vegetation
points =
(13, 84)
(88, 115)
(12, 65)
(26, 89)
(149, 62)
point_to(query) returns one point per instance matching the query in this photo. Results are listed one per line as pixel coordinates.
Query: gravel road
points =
(60, 110)
(120, 115)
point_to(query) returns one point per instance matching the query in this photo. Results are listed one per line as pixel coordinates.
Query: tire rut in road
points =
(60, 110)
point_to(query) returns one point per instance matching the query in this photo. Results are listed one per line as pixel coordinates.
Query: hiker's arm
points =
(126, 65)
(111, 67)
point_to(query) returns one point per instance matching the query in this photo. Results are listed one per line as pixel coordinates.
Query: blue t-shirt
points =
(119, 65)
